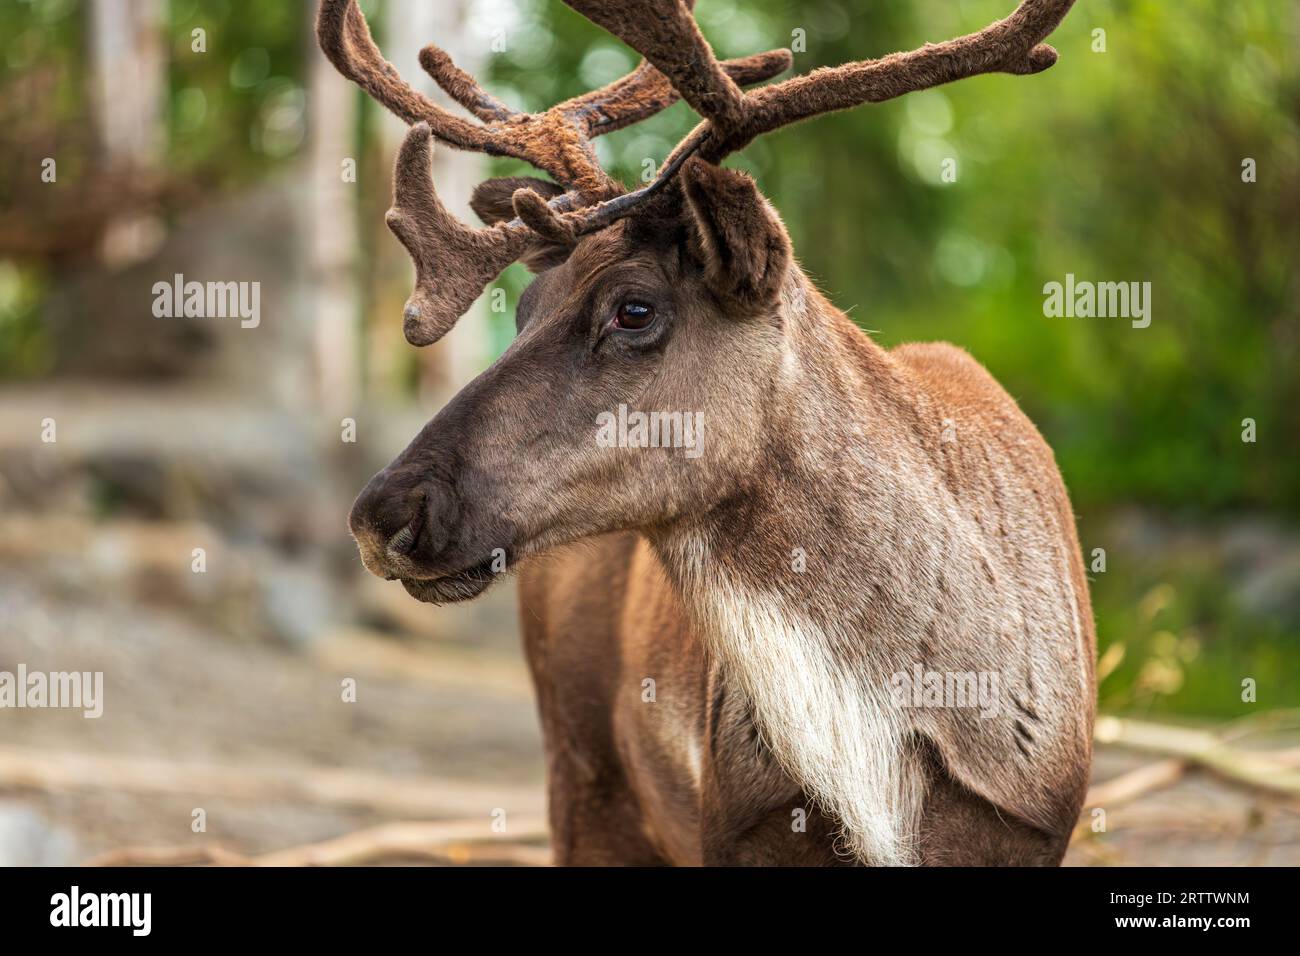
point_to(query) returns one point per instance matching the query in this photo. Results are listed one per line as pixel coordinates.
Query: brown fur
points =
(599, 617)
(745, 257)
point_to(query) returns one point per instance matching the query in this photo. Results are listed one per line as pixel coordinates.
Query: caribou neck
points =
(814, 523)
(789, 577)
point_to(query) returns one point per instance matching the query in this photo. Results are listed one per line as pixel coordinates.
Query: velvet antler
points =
(455, 262)
(664, 32)
(557, 141)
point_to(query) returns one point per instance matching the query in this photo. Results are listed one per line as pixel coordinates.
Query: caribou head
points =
(681, 297)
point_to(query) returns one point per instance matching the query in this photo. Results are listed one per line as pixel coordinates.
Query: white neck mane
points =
(827, 720)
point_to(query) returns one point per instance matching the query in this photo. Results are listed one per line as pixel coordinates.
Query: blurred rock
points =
(27, 838)
(298, 600)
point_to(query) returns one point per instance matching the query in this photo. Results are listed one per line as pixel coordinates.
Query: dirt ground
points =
(174, 694)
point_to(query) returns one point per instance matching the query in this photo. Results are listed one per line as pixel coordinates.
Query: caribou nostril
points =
(404, 541)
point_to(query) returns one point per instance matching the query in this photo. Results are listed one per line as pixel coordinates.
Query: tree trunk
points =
(129, 90)
(411, 24)
(332, 232)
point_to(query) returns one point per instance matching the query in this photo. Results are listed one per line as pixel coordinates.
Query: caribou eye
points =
(634, 315)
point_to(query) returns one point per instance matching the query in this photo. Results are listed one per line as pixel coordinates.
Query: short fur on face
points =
(516, 451)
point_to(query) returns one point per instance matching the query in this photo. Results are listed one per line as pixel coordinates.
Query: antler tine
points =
(1012, 45)
(453, 262)
(344, 37)
(665, 33)
(628, 100)
(559, 221)
(564, 130)
(646, 91)
(556, 141)
(559, 152)
(462, 87)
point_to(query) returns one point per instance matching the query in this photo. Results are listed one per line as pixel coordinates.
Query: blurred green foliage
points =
(41, 41)
(1178, 634)
(238, 108)
(23, 344)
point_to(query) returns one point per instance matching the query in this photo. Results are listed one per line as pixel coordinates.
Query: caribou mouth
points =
(450, 588)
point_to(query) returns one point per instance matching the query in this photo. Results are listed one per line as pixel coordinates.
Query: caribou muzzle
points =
(411, 528)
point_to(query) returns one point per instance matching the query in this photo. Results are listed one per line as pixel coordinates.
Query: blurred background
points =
(173, 492)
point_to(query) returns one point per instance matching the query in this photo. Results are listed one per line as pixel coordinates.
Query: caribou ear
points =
(491, 202)
(737, 237)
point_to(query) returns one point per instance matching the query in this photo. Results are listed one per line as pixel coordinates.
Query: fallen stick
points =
(1203, 747)
(458, 841)
(455, 842)
(1126, 788)
(1290, 756)
(1270, 770)
(1129, 786)
(61, 771)
(1270, 720)
(209, 853)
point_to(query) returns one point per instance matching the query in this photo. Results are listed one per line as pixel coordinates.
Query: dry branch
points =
(49, 771)
(452, 842)
(1204, 748)
(208, 853)
(1128, 787)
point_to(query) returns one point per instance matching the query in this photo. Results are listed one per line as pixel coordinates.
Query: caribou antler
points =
(455, 262)
(558, 141)
(664, 32)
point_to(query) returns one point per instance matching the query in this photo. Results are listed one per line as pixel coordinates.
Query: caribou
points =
(716, 640)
